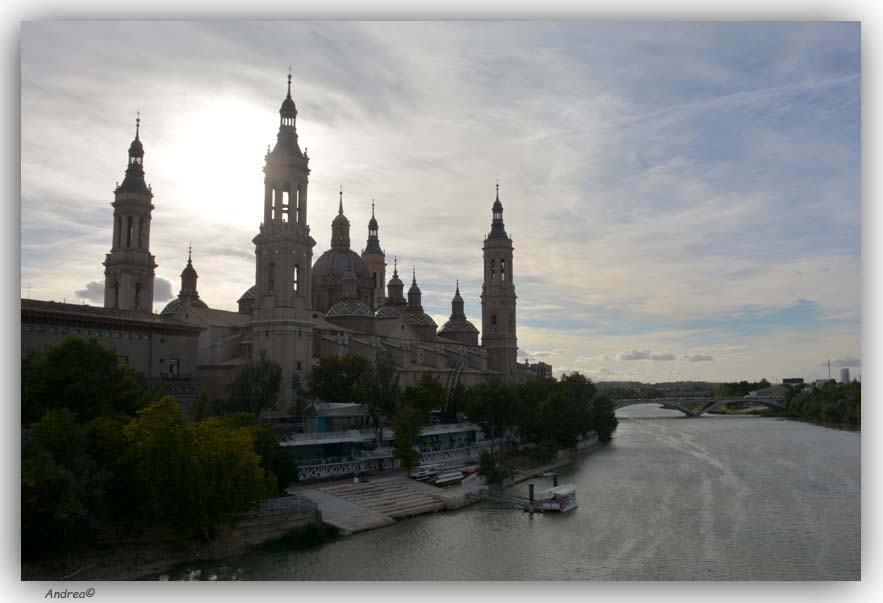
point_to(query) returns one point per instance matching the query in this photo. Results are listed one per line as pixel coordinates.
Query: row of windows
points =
(82, 332)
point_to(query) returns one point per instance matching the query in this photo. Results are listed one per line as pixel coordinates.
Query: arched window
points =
(129, 231)
(493, 323)
(493, 271)
(116, 294)
(119, 232)
(297, 216)
(271, 277)
(502, 270)
(137, 296)
(141, 233)
(296, 278)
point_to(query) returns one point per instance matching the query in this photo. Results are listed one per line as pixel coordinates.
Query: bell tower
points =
(283, 255)
(129, 268)
(498, 298)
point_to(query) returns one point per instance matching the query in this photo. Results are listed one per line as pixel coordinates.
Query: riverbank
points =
(772, 413)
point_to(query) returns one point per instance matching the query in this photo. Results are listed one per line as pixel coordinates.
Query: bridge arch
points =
(771, 402)
(663, 402)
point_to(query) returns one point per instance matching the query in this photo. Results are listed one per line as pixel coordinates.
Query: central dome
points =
(335, 262)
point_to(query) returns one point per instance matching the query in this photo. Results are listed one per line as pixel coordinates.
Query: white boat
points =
(424, 474)
(446, 479)
(561, 498)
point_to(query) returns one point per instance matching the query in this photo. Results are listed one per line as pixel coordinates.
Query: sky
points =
(684, 198)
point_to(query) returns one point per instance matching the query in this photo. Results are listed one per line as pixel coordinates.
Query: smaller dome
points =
(348, 307)
(458, 325)
(372, 223)
(497, 205)
(249, 293)
(390, 311)
(420, 319)
(414, 289)
(395, 281)
(174, 306)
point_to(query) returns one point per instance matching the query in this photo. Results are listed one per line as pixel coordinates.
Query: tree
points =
(604, 420)
(82, 376)
(378, 389)
(194, 477)
(497, 407)
(413, 415)
(274, 459)
(256, 388)
(201, 407)
(334, 379)
(53, 507)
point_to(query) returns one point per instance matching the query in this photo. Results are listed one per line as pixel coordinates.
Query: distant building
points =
(793, 381)
(844, 375)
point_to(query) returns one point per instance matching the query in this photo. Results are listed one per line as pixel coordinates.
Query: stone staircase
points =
(395, 497)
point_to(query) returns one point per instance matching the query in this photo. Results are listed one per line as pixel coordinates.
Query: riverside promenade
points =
(378, 502)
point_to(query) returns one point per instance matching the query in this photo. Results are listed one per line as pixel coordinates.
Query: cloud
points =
(848, 361)
(538, 353)
(697, 357)
(162, 290)
(645, 355)
(94, 292)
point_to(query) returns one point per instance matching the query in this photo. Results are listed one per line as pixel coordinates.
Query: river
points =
(715, 498)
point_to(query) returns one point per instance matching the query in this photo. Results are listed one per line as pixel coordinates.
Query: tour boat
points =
(561, 498)
(424, 474)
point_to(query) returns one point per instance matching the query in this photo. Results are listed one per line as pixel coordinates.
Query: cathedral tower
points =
(284, 251)
(375, 259)
(498, 298)
(129, 268)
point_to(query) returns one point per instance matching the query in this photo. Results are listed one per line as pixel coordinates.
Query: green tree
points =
(604, 420)
(194, 478)
(201, 408)
(53, 505)
(413, 414)
(335, 379)
(256, 387)
(378, 389)
(497, 407)
(82, 376)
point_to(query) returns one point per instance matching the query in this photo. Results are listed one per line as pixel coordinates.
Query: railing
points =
(310, 469)
(361, 435)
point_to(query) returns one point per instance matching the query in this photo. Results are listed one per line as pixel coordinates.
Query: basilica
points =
(297, 310)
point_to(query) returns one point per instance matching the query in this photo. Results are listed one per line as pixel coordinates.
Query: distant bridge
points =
(689, 407)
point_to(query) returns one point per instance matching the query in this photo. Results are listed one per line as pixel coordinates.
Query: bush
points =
(301, 538)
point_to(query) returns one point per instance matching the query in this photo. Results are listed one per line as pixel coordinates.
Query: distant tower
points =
(129, 268)
(375, 259)
(458, 327)
(498, 298)
(188, 292)
(844, 375)
(284, 251)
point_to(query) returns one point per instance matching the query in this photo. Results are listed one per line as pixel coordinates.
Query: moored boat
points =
(560, 498)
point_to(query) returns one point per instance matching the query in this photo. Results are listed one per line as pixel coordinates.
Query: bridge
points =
(696, 407)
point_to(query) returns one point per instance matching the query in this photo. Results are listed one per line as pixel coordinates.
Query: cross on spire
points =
(137, 125)
(289, 81)
(414, 275)
(372, 208)
(189, 251)
(395, 266)
(340, 206)
(498, 189)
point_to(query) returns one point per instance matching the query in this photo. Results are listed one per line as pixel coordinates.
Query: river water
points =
(715, 498)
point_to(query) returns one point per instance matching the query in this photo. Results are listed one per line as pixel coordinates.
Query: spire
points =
(414, 294)
(190, 253)
(395, 267)
(288, 111)
(498, 230)
(289, 82)
(340, 228)
(457, 305)
(373, 245)
(134, 180)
